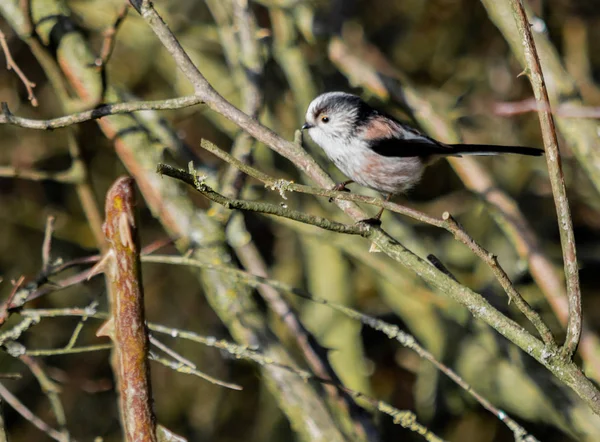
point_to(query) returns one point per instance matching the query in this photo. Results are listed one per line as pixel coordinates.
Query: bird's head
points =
(335, 116)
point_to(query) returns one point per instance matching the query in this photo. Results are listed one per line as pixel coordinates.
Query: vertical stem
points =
(559, 190)
(126, 326)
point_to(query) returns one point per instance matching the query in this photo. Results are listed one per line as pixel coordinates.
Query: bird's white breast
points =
(364, 166)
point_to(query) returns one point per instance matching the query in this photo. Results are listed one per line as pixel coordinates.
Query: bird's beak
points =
(307, 126)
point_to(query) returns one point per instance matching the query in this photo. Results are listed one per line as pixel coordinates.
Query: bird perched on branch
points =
(377, 151)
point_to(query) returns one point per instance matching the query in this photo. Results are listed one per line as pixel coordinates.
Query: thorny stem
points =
(559, 189)
(126, 326)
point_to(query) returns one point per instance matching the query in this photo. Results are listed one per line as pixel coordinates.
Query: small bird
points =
(377, 151)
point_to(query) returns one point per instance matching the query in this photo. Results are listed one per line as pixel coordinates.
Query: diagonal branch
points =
(11, 64)
(447, 222)
(559, 189)
(259, 207)
(391, 331)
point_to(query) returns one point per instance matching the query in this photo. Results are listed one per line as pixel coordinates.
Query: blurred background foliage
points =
(447, 50)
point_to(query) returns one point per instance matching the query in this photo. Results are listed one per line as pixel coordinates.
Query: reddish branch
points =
(10, 64)
(510, 108)
(126, 326)
(108, 43)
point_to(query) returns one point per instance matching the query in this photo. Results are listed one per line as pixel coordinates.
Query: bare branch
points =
(447, 222)
(392, 331)
(259, 207)
(10, 64)
(18, 406)
(185, 369)
(559, 189)
(51, 390)
(110, 34)
(103, 110)
(510, 108)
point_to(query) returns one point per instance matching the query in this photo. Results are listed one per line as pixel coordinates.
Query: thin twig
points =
(10, 64)
(171, 352)
(6, 305)
(186, 369)
(314, 354)
(47, 244)
(51, 390)
(406, 419)
(559, 189)
(101, 111)
(110, 34)
(259, 207)
(69, 351)
(511, 108)
(79, 327)
(392, 331)
(28, 414)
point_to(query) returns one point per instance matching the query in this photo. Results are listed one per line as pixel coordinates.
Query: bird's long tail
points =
(488, 149)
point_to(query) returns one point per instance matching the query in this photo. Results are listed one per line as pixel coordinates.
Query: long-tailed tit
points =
(377, 151)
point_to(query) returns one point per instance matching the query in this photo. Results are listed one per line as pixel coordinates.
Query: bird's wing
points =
(395, 147)
(390, 138)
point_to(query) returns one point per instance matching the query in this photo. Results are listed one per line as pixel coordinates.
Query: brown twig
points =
(559, 190)
(110, 34)
(6, 305)
(10, 64)
(511, 108)
(51, 390)
(18, 406)
(126, 326)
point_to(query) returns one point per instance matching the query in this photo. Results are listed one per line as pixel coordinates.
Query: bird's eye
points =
(325, 119)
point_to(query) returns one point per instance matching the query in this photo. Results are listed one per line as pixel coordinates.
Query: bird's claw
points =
(339, 187)
(373, 222)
